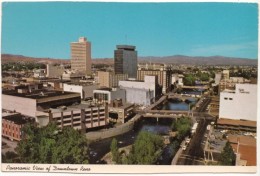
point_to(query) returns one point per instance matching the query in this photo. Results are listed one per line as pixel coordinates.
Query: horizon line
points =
(39, 57)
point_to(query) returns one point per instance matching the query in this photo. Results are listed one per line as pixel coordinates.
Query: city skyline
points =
(156, 29)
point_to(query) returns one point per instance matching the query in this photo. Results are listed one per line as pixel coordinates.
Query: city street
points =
(193, 155)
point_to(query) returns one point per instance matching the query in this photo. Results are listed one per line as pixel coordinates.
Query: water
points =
(100, 148)
(178, 105)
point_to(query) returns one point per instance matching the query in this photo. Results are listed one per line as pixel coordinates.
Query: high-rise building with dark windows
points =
(81, 56)
(126, 60)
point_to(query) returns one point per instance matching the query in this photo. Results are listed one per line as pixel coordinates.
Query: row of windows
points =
(226, 98)
(11, 133)
(4, 125)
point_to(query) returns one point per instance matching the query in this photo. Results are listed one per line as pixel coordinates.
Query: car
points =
(187, 140)
(184, 147)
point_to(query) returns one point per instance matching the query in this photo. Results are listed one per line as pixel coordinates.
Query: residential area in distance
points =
(192, 114)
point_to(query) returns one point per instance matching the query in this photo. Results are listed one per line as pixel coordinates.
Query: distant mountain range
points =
(212, 60)
(176, 59)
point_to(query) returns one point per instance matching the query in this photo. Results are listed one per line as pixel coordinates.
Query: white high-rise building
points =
(240, 103)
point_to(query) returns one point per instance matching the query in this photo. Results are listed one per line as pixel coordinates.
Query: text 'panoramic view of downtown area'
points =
(129, 84)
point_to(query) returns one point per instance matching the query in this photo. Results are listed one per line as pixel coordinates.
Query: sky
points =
(45, 29)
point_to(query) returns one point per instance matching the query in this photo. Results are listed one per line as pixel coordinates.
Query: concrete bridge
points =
(196, 87)
(164, 114)
(179, 96)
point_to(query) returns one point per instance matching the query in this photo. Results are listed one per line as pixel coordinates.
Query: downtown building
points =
(81, 56)
(141, 92)
(125, 58)
(110, 79)
(239, 104)
(162, 71)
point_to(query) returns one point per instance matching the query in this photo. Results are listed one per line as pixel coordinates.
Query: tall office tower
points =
(126, 60)
(81, 56)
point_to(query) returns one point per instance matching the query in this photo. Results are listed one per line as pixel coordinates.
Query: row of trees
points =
(49, 145)
(16, 66)
(146, 149)
(189, 79)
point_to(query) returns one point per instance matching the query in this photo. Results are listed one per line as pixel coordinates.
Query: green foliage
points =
(115, 152)
(47, 145)
(182, 126)
(203, 76)
(227, 157)
(189, 80)
(19, 66)
(146, 149)
(10, 157)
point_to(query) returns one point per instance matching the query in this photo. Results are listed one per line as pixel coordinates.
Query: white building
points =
(240, 103)
(177, 79)
(39, 73)
(107, 95)
(139, 96)
(217, 78)
(140, 92)
(149, 83)
(85, 89)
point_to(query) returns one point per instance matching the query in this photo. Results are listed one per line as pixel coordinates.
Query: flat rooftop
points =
(17, 118)
(73, 107)
(38, 94)
(248, 123)
(127, 47)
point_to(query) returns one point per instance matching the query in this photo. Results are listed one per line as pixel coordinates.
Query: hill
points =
(176, 59)
(212, 60)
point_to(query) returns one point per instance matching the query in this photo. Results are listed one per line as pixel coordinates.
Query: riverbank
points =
(108, 157)
(111, 132)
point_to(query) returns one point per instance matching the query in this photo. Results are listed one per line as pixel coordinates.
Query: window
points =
(230, 98)
(225, 98)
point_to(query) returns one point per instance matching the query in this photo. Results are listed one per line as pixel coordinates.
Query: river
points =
(100, 148)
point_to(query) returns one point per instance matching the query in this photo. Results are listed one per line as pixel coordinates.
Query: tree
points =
(115, 152)
(227, 156)
(189, 80)
(146, 149)
(48, 145)
(9, 157)
(182, 126)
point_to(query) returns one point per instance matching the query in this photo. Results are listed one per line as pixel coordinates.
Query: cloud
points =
(224, 49)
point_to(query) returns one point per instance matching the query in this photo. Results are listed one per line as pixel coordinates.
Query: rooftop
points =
(16, 118)
(38, 94)
(127, 47)
(246, 148)
(243, 140)
(223, 121)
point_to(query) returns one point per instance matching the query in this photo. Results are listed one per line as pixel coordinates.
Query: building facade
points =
(239, 104)
(29, 103)
(81, 56)
(80, 117)
(150, 83)
(85, 89)
(110, 79)
(108, 95)
(54, 71)
(139, 96)
(120, 113)
(125, 58)
(12, 124)
(164, 77)
(141, 92)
